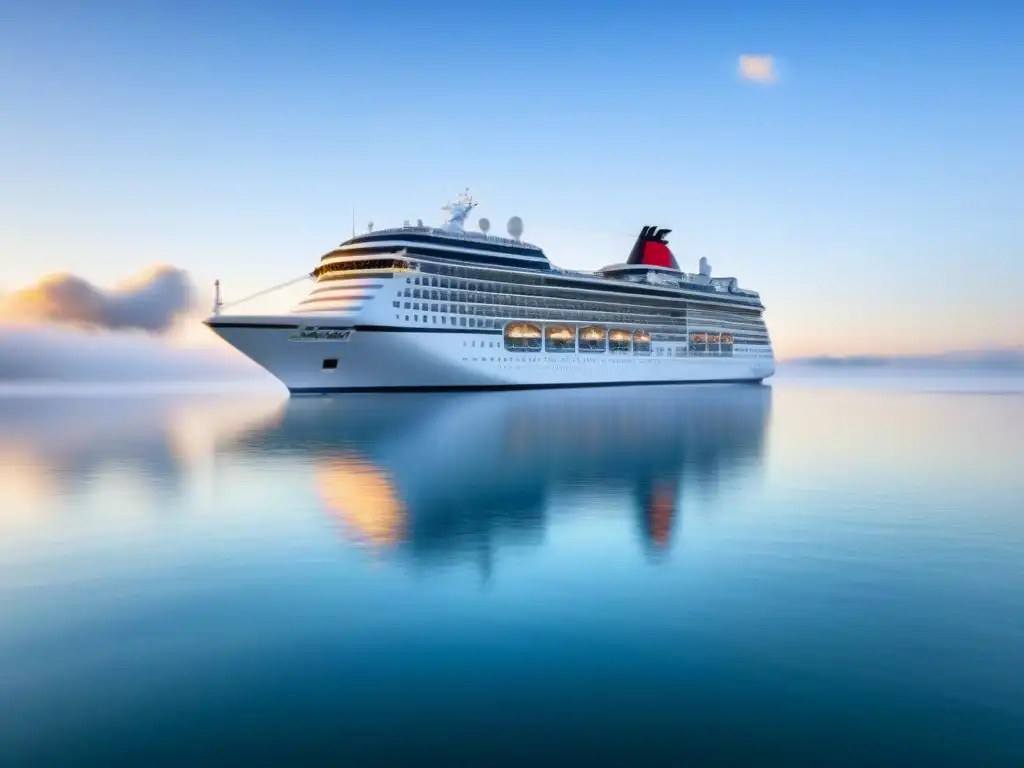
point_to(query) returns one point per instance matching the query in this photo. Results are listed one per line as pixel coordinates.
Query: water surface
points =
(816, 570)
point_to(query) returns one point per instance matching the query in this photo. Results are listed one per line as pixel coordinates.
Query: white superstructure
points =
(419, 307)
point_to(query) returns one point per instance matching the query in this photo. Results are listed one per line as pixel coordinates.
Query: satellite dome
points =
(515, 227)
(485, 225)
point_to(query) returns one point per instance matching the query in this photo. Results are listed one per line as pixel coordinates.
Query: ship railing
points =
(471, 236)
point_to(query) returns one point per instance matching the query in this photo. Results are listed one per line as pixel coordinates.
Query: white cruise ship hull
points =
(397, 358)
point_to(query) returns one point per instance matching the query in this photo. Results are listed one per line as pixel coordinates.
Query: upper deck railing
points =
(438, 232)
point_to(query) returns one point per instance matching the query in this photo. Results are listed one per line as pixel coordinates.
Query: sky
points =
(862, 167)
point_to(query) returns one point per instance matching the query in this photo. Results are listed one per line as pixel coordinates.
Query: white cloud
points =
(758, 68)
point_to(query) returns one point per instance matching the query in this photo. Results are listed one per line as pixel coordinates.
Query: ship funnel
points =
(651, 249)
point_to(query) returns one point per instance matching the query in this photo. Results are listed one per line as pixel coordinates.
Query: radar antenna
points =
(458, 211)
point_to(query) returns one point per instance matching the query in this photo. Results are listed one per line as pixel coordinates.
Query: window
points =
(727, 344)
(330, 364)
(522, 337)
(559, 338)
(592, 339)
(641, 342)
(619, 340)
(714, 340)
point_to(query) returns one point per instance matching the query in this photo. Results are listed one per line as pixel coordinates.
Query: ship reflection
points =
(440, 477)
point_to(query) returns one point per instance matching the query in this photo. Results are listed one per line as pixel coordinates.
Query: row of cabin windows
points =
(523, 287)
(614, 346)
(547, 301)
(462, 322)
(361, 265)
(541, 281)
(515, 305)
(526, 337)
(492, 323)
(560, 345)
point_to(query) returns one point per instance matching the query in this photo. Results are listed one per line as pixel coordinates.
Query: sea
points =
(827, 569)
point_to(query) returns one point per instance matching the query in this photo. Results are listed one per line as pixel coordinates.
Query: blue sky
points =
(872, 193)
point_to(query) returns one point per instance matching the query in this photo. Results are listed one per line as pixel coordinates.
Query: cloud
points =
(150, 301)
(758, 68)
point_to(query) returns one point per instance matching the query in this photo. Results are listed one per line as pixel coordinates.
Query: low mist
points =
(151, 301)
(71, 355)
(50, 353)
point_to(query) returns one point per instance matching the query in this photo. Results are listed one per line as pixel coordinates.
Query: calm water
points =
(807, 571)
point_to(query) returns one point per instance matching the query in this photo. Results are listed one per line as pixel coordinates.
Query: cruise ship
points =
(426, 308)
